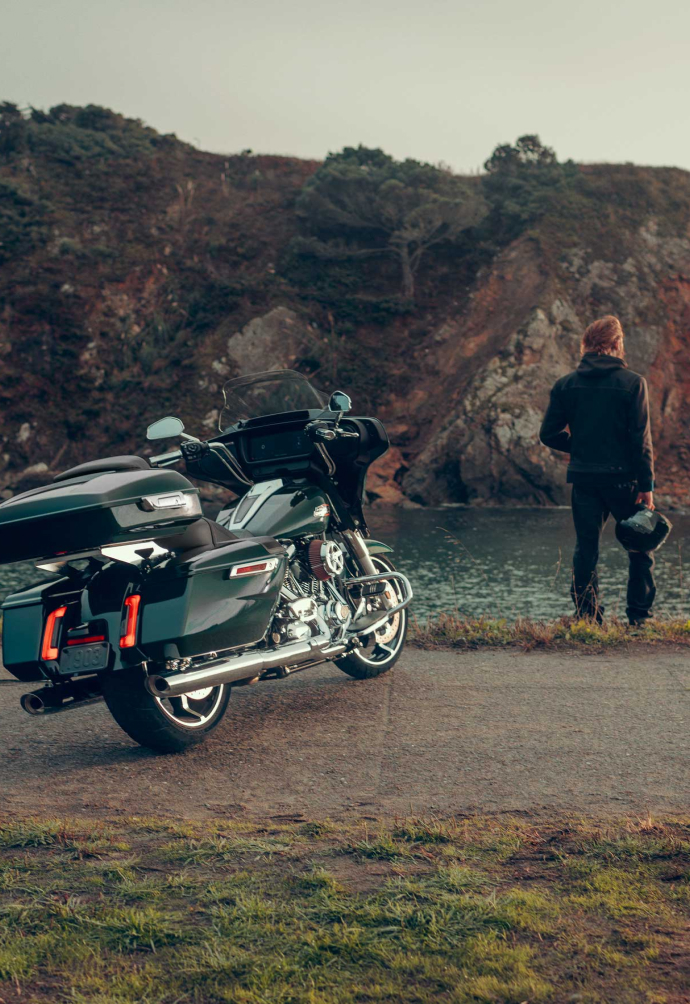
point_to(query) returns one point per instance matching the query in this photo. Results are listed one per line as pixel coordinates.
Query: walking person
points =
(599, 414)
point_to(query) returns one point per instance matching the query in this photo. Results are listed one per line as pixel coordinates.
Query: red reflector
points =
(49, 651)
(248, 569)
(129, 638)
(267, 565)
(86, 639)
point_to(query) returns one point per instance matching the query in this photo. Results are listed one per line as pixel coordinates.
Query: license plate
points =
(84, 658)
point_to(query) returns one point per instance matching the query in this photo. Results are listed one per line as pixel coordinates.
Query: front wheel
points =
(380, 649)
(166, 725)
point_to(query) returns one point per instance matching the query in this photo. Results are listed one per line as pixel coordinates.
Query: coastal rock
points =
(383, 479)
(271, 342)
(495, 378)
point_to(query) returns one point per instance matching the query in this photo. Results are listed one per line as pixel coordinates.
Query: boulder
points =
(273, 341)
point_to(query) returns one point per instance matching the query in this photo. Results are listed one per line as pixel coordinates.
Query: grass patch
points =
(448, 630)
(466, 910)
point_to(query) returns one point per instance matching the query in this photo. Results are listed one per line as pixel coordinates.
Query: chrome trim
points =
(359, 548)
(242, 667)
(388, 612)
(331, 469)
(166, 500)
(268, 565)
(112, 552)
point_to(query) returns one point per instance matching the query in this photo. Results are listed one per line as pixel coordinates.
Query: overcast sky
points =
(439, 80)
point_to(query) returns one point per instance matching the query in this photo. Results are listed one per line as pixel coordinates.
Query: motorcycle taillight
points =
(129, 636)
(49, 650)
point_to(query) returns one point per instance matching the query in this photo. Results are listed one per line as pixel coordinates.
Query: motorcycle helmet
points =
(645, 530)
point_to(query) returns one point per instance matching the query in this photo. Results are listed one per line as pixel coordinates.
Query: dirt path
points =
(443, 732)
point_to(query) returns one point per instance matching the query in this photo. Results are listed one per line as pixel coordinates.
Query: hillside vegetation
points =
(129, 261)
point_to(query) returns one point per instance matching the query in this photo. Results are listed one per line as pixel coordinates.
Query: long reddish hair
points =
(605, 337)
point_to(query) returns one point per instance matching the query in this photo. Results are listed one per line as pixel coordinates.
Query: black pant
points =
(591, 509)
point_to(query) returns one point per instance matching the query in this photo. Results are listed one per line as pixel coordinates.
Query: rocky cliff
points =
(487, 373)
(138, 274)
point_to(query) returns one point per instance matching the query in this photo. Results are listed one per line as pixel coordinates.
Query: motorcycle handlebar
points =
(165, 459)
(328, 431)
(317, 430)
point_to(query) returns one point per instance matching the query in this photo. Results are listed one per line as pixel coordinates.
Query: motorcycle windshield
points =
(262, 394)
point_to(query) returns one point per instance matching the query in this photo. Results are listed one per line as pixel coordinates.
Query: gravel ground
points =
(443, 732)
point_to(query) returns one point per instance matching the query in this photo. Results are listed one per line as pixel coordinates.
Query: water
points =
(508, 562)
(500, 562)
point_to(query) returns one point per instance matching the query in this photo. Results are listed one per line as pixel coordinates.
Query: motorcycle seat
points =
(202, 535)
(107, 464)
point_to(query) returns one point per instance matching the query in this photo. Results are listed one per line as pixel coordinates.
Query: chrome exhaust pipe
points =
(243, 667)
(50, 700)
(32, 704)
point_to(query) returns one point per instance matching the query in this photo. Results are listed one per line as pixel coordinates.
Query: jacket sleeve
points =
(553, 428)
(642, 451)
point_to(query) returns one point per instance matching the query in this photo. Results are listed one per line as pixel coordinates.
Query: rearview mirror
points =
(165, 428)
(340, 401)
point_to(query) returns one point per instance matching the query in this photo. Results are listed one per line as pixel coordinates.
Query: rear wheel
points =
(166, 725)
(381, 649)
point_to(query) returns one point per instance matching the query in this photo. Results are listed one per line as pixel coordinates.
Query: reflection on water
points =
(500, 562)
(516, 562)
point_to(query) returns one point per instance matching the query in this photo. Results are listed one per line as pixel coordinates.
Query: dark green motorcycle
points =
(161, 611)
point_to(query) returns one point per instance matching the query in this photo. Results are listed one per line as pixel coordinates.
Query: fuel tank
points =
(275, 509)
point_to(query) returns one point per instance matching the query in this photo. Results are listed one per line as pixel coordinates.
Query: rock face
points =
(495, 365)
(272, 342)
(489, 449)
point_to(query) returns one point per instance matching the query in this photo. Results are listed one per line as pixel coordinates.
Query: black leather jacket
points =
(599, 414)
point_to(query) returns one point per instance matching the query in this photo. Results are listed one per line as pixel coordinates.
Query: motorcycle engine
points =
(310, 603)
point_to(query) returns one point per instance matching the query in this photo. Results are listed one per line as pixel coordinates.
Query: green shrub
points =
(23, 223)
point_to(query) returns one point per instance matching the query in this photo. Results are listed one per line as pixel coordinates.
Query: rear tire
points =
(381, 649)
(166, 726)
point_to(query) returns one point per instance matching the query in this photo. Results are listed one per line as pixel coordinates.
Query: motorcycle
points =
(160, 611)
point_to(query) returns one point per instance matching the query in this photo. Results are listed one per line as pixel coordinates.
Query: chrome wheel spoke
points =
(182, 709)
(184, 699)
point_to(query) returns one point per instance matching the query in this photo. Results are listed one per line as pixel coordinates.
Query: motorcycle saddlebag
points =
(24, 614)
(220, 599)
(93, 510)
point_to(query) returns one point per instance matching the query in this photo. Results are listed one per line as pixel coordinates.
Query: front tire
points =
(162, 724)
(382, 648)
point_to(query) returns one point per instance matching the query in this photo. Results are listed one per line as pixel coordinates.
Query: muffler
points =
(63, 697)
(243, 667)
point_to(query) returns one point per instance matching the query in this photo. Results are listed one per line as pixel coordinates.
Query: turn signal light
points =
(129, 638)
(49, 651)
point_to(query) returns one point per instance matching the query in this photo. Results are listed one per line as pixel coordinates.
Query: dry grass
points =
(453, 631)
(460, 910)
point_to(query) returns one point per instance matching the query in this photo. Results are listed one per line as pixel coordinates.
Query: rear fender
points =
(103, 605)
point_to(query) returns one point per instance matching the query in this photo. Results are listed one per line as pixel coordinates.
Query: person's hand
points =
(645, 498)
